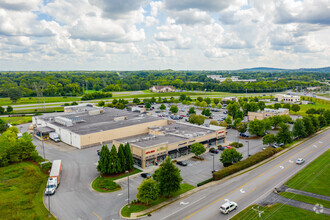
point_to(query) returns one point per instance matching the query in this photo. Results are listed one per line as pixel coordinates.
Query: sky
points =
(169, 34)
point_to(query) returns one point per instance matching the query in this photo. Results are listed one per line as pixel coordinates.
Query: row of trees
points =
(113, 162)
(14, 150)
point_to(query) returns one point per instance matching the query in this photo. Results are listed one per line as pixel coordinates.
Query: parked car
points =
(300, 161)
(187, 120)
(228, 207)
(244, 135)
(98, 152)
(214, 151)
(281, 144)
(210, 117)
(221, 148)
(182, 116)
(228, 147)
(182, 163)
(274, 146)
(146, 175)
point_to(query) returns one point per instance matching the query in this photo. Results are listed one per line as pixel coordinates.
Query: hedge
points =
(236, 144)
(204, 182)
(241, 165)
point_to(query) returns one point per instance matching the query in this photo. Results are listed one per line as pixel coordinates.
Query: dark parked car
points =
(98, 152)
(146, 175)
(182, 163)
(221, 148)
(214, 151)
(244, 135)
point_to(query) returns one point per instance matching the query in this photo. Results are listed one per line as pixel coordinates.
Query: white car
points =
(300, 161)
(228, 207)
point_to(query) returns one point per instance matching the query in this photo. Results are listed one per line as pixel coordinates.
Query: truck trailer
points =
(54, 177)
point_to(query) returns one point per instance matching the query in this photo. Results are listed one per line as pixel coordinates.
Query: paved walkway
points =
(317, 196)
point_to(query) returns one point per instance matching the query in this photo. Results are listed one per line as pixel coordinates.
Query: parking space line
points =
(97, 216)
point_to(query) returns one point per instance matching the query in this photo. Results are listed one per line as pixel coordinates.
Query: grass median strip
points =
(107, 184)
(126, 212)
(21, 191)
(277, 212)
(307, 199)
(313, 178)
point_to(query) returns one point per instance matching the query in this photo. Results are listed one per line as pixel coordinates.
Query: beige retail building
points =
(267, 112)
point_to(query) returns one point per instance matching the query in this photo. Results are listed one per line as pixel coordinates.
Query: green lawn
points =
(17, 120)
(21, 192)
(32, 100)
(277, 212)
(306, 199)
(107, 184)
(304, 108)
(44, 110)
(313, 178)
(126, 212)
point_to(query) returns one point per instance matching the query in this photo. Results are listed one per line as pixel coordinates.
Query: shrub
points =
(204, 182)
(236, 144)
(241, 165)
(46, 167)
(108, 184)
(37, 158)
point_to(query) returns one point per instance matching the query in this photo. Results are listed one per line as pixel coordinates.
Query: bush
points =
(241, 165)
(36, 158)
(204, 182)
(108, 184)
(236, 144)
(46, 167)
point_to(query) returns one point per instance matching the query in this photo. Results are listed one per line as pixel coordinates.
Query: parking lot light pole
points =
(127, 188)
(248, 148)
(213, 162)
(49, 215)
(43, 148)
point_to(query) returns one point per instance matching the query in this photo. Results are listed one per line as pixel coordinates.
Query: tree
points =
(128, 157)
(277, 119)
(121, 157)
(299, 129)
(203, 104)
(200, 99)
(162, 107)
(103, 164)
(315, 121)
(148, 105)
(100, 103)
(216, 101)
(236, 122)
(2, 110)
(308, 126)
(252, 107)
(223, 124)
(326, 115)
(295, 107)
(268, 123)
(322, 121)
(136, 101)
(174, 109)
(114, 102)
(242, 127)
(168, 177)
(192, 110)
(284, 135)
(213, 122)
(9, 109)
(3, 125)
(287, 106)
(197, 149)
(196, 119)
(239, 114)
(148, 191)
(268, 139)
(232, 109)
(153, 100)
(15, 93)
(261, 105)
(257, 127)
(206, 112)
(114, 163)
(277, 105)
(228, 120)
(286, 119)
(208, 100)
(182, 97)
(230, 156)
(25, 146)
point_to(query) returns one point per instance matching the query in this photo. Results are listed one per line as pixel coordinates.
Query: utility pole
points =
(248, 152)
(128, 203)
(43, 147)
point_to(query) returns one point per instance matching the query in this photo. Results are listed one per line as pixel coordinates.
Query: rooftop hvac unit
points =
(121, 118)
(63, 121)
(95, 112)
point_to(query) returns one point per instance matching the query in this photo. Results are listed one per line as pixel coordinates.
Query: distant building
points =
(267, 112)
(313, 88)
(162, 89)
(229, 99)
(287, 98)
(232, 78)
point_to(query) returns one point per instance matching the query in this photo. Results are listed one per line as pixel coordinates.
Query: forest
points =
(74, 83)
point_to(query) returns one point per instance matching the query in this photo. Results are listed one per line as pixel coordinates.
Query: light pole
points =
(49, 215)
(213, 163)
(43, 147)
(127, 188)
(248, 148)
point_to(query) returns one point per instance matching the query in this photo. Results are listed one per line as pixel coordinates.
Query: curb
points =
(142, 214)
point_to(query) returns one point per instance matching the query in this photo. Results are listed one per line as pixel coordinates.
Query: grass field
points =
(307, 199)
(304, 108)
(21, 192)
(40, 110)
(278, 212)
(126, 212)
(99, 181)
(17, 120)
(313, 178)
(32, 100)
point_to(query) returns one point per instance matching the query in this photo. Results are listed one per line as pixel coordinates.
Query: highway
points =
(248, 188)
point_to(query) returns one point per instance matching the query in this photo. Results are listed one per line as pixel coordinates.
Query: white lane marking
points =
(184, 207)
(242, 191)
(320, 142)
(314, 146)
(226, 200)
(184, 203)
(290, 161)
(119, 194)
(282, 167)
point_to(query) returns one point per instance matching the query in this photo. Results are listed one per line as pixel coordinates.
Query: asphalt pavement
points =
(248, 188)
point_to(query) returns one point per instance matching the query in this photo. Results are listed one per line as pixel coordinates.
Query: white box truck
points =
(54, 177)
(54, 136)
